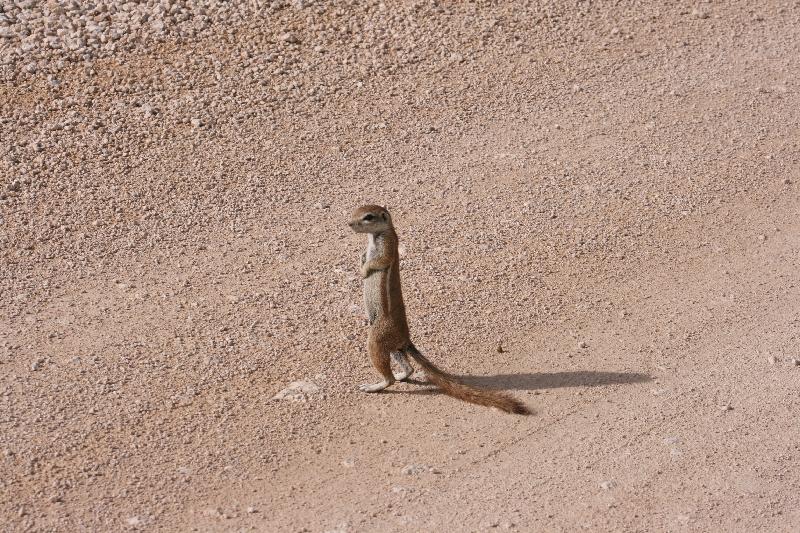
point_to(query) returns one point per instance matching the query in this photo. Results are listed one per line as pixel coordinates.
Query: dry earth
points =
(610, 190)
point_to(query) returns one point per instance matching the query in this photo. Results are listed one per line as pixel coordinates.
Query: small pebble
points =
(414, 469)
(298, 391)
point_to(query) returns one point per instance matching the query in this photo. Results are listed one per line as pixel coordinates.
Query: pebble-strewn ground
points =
(608, 191)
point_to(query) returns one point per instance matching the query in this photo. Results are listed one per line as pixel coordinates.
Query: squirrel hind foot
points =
(374, 387)
(403, 375)
(406, 370)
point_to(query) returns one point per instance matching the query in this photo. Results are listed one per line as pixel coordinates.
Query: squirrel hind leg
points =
(381, 361)
(401, 360)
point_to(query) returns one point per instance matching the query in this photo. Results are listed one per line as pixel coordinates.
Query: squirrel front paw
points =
(364, 271)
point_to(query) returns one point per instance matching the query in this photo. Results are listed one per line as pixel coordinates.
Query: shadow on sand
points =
(555, 380)
(545, 380)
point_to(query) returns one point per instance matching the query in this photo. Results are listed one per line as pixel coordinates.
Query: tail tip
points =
(519, 408)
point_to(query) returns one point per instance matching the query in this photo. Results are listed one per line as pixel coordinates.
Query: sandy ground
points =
(611, 192)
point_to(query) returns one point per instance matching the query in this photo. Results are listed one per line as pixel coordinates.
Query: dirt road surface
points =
(608, 190)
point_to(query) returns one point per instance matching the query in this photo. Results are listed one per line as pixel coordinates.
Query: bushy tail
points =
(451, 386)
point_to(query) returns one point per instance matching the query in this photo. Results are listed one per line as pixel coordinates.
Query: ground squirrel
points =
(388, 338)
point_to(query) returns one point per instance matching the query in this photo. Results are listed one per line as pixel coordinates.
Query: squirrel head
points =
(370, 219)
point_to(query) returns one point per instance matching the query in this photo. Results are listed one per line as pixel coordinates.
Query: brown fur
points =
(388, 331)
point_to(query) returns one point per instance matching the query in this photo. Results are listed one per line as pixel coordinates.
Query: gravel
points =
(39, 34)
(174, 182)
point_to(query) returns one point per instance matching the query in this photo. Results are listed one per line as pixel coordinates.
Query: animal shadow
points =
(555, 380)
(538, 380)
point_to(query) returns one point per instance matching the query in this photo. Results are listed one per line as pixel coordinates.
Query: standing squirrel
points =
(388, 337)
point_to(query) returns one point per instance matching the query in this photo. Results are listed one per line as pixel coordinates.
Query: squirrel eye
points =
(368, 217)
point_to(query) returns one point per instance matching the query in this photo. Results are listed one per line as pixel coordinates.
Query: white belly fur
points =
(372, 284)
